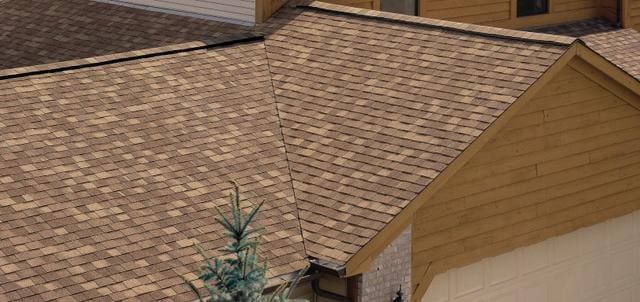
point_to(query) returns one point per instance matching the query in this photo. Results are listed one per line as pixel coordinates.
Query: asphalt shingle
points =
(45, 31)
(620, 46)
(373, 109)
(110, 174)
(338, 119)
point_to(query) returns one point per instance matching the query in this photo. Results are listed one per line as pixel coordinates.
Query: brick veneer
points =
(390, 270)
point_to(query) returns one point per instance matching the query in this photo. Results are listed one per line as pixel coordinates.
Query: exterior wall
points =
(266, 8)
(232, 11)
(632, 18)
(368, 4)
(609, 10)
(571, 158)
(390, 271)
(598, 263)
(502, 13)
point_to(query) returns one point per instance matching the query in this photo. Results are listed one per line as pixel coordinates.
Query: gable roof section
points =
(109, 173)
(374, 106)
(45, 31)
(619, 46)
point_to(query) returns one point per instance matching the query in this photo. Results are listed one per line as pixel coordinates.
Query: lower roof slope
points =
(620, 46)
(111, 173)
(45, 31)
(374, 109)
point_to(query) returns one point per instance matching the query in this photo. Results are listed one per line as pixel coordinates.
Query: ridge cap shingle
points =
(74, 64)
(480, 30)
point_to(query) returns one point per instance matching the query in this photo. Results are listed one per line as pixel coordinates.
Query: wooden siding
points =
(368, 4)
(569, 158)
(633, 14)
(609, 9)
(233, 11)
(266, 8)
(502, 13)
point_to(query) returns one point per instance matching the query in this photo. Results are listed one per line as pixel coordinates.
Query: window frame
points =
(519, 14)
(416, 9)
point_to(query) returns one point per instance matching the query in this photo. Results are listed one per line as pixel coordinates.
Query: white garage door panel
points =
(600, 263)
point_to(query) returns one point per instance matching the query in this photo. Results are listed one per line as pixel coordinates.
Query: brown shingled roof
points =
(620, 46)
(109, 173)
(45, 31)
(373, 110)
(111, 164)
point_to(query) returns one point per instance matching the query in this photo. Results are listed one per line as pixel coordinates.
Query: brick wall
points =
(390, 270)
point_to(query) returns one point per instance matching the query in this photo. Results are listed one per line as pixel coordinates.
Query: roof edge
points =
(480, 30)
(362, 259)
(26, 71)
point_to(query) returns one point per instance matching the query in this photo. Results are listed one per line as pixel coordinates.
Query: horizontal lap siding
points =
(609, 9)
(233, 11)
(570, 158)
(368, 4)
(469, 11)
(502, 13)
(634, 14)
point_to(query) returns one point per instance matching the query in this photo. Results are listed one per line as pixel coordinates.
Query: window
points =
(532, 7)
(407, 7)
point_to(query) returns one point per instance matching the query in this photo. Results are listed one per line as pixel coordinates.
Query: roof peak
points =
(480, 30)
(74, 64)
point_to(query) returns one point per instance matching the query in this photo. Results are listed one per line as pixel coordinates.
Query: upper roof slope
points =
(44, 31)
(373, 109)
(620, 46)
(110, 174)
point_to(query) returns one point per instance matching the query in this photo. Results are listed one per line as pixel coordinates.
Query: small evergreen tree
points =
(239, 278)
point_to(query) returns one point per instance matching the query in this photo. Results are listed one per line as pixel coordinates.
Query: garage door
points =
(599, 263)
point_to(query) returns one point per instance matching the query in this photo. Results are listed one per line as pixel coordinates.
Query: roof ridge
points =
(481, 30)
(74, 64)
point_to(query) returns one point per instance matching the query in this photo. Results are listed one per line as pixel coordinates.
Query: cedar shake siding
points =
(570, 158)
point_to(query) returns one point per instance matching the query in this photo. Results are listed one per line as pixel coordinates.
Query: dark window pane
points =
(532, 7)
(407, 7)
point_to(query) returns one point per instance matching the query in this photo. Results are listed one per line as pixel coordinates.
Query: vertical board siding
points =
(502, 13)
(232, 11)
(570, 158)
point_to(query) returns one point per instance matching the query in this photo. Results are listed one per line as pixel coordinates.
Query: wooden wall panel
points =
(609, 9)
(369, 4)
(469, 11)
(502, 13)
(266, 8)
(570, 158)
(634, 14)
